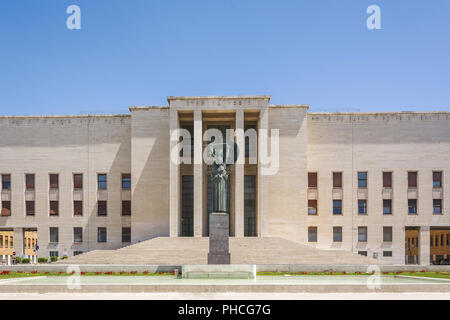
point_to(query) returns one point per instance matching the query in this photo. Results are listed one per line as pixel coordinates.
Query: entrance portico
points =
(189, 192)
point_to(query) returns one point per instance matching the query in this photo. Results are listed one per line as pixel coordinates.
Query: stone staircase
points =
(179, 251)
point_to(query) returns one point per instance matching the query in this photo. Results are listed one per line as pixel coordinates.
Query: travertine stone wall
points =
(397, 142)
(150, 173)
(287, 188)
(66, 145)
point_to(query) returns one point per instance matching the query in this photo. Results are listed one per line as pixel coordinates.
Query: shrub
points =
(53, 259)
(18, 259)
(42, 260)
(26, 260)
(64, 257)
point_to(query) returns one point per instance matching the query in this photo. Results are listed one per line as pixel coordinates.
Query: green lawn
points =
(444, 275)
(4, 275)
(429, 274)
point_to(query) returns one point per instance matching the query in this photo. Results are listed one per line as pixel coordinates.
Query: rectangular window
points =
(437, 206)
(76, 253)
(387, 206)
(312, 207)
(337, 234)
(312, 179)
(337, 179)
(437, 179)
(387, 234)
(102, 182)
(102, 208)
(250, 228)
(126, 234)
(412, 206)
(6, 208)
(77, 234)
(412, 179)
(29, 181)
(78, 181)
(6, 181)
(126, 181)
(29, 207)
(54, 235)
(54, 208)
(337, 207)
(362, 179)
(362, 206)
(126, 208)
(53, 253)
(78, 208)
(312, 234)
(54, 181)
(101, 235)
(362, 253)
(362, 234)
(387, 253)
(387, 179)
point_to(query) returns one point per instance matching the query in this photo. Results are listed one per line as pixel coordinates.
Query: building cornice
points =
(264, 97)
(143, 108)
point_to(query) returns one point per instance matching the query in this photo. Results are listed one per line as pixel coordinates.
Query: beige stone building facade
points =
(371, 183)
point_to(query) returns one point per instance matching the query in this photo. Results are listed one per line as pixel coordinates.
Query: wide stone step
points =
(190, 250)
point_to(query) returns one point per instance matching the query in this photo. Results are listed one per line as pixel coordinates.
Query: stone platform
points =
(249, 250)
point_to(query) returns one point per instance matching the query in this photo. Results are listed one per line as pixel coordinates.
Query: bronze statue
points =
(219, 177)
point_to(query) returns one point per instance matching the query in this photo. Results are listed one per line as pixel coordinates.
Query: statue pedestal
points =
(219, 252)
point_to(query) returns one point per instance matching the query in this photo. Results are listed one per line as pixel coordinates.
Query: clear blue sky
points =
(137, 52)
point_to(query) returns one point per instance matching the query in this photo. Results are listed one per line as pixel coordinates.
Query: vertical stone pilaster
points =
(424, 243)
(239, 175)
(263, 183)
(18, 241)
(198, 174)
(174, 183)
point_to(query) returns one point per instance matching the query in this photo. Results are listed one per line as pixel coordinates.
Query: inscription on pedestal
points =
(219, 239)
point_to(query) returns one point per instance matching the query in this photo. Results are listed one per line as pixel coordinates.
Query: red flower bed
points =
(109, 273)
(133, 272)
(146, 272)
(83, 273)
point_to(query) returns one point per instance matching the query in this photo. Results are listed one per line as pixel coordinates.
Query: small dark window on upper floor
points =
(362, 179)
(102, 181)
(312, 179)
(337, 207)
(387, 179)
(126, 208)
(412, 179)
(102, 208)
(29, 182)
(6, 208)
(437, 206)
(78, 208)
(412, 206)
(337, 179)
(54, 181)
(387, 206)
(312, 207)
(6, 181)
(437, 179)
(78, 181)
(126, 181)
(54, 208)
(30, 210)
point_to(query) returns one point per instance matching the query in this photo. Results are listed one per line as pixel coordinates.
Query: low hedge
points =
(42, 260)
